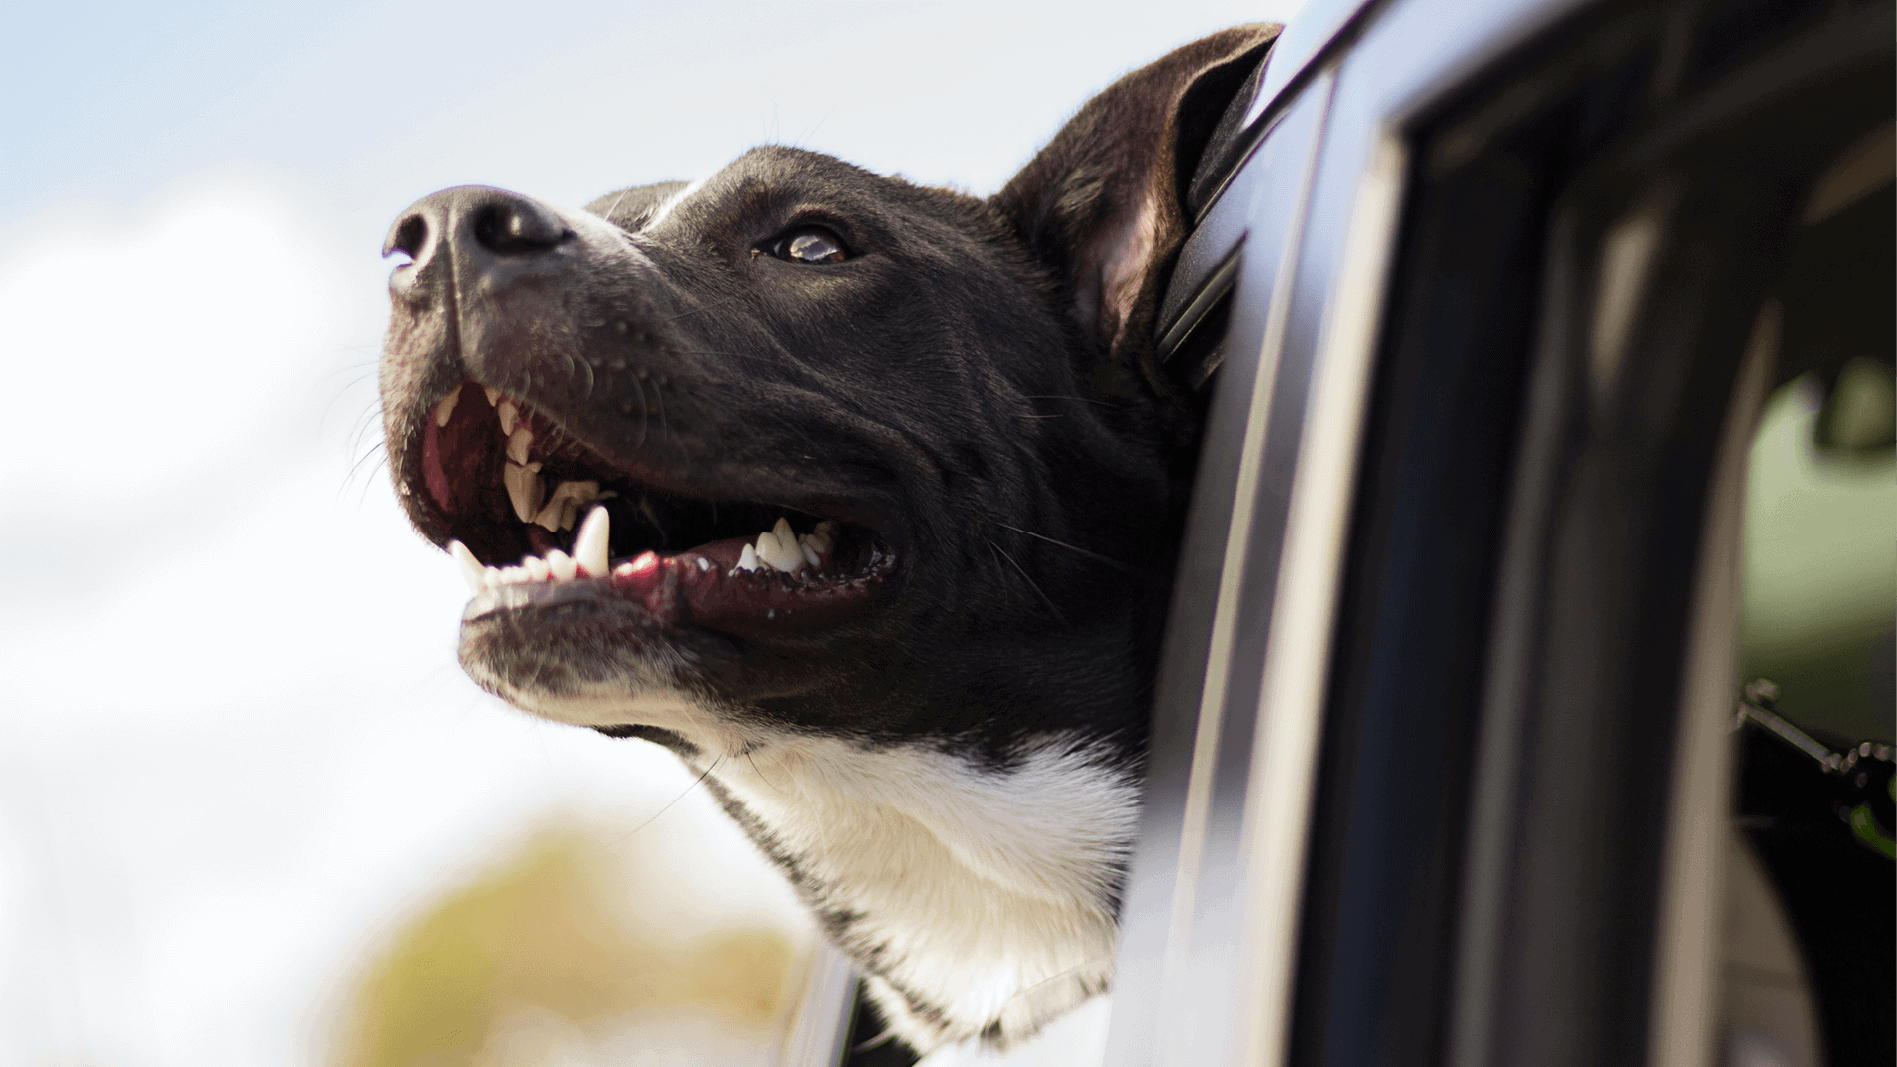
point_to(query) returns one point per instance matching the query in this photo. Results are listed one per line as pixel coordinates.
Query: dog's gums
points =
(859, 495)
(486, 464)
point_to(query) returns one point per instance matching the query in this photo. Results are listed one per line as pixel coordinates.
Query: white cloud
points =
(237, 742)
(152, 346)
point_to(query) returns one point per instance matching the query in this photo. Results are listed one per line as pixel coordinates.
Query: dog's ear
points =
(1102, 205)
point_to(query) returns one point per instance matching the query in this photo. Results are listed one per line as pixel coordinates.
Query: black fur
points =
(976, 384)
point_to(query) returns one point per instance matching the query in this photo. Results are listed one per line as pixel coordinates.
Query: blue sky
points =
(108, 102)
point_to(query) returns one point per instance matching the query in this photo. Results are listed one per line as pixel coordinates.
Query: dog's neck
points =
(984, 895)
(980, 897)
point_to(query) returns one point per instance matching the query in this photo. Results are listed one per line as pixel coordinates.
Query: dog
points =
(862, 497)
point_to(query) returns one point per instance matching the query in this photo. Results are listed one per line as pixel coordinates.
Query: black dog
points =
(859, 496)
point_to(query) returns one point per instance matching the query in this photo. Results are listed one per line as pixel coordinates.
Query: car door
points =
(1486, 299)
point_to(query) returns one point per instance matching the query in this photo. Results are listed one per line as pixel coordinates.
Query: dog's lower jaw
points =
(978, 899)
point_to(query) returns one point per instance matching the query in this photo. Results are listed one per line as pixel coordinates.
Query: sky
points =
(236, 746)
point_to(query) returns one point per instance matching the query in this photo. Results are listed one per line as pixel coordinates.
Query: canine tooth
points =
(519, 440)
(523, 489)
(537, 567)
(562, 565)
(772, 549)
(471, 568)
(589, 547)
(747, 560)
(510, 416)
(446, 408)
(493, 394)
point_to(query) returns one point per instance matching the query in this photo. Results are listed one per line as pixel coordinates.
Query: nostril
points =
(517, 227)
(408, 238)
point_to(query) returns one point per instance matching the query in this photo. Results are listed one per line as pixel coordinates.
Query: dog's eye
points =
(812, 244)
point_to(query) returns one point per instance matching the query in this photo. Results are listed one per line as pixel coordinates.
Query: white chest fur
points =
(984, 893)
(981, 895)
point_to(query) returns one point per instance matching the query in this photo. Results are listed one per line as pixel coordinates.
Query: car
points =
(1451, 762)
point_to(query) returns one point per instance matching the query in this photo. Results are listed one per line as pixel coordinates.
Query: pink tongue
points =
(676, 590)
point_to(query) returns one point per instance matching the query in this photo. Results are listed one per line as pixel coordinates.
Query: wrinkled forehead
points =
(767, 186)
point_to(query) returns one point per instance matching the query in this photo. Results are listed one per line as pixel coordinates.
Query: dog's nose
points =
(481, 226)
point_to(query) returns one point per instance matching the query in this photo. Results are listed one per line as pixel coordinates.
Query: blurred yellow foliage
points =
(555, 931)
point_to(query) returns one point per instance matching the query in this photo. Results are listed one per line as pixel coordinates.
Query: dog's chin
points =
(618, 638)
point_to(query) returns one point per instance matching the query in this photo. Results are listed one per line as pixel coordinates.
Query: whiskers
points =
(696, 782)
(1051, 606)
(370, 455)
(1056, 977)
(1114, 563)
(376, 458)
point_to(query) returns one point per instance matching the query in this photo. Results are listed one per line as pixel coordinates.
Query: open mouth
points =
(533, 513)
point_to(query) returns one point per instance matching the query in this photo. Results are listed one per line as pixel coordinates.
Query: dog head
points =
(800, 451)
(961, 391)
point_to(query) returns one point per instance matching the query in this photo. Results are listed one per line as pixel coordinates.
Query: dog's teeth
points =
(446, 408)
(471, 568)
(645, 561)
(523, 489)
(703, 563)
(563, 506)
(779, 553)
(537, 567)
(747, 560)
(589, 548)
(519, 440)
(493, 394)
(491, 577)
(790, 551)
(510, 417)
(563, 566)
(810, 553)
(514, 575)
